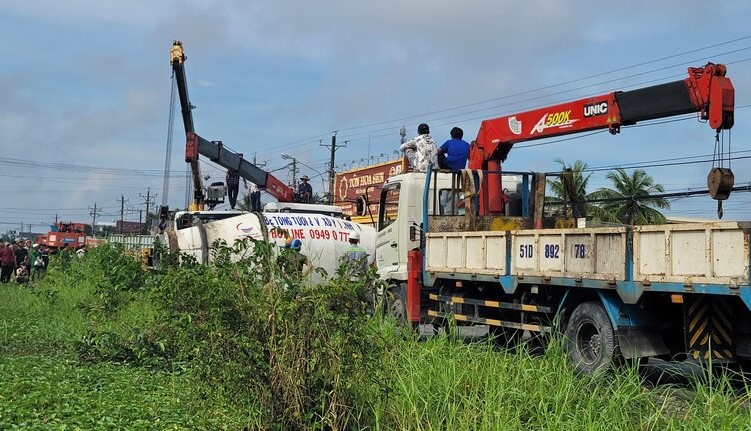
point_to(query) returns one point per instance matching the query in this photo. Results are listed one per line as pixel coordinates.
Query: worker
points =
(233, 186)
(356, 257)
(255, 197)
(424, 147)
(304, 190)
(454, 153)
(291, 260)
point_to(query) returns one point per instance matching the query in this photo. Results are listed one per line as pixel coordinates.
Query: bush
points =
(296, 354)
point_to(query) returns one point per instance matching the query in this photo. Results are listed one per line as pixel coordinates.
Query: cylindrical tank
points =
(323, 237)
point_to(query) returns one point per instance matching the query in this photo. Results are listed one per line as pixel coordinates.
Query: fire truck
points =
(455, 247)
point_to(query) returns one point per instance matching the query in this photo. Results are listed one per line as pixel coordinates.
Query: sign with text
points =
(357, 191)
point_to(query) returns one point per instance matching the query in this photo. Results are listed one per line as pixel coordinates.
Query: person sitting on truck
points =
(291, 261)
(426, 151)
(304, 189)
(454, 153)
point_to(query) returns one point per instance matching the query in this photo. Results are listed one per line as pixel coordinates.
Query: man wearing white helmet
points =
(356, 256)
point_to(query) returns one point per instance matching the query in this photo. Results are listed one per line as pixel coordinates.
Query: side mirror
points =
(414, 233)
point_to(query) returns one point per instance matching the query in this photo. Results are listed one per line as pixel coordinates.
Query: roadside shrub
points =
(255, 337)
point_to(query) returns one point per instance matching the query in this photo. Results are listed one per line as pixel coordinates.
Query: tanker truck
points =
(324, 237)
(478, 247)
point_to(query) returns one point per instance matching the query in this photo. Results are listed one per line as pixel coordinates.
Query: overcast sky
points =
(85, 88)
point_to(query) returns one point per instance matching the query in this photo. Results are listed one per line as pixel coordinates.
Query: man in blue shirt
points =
(454, 153)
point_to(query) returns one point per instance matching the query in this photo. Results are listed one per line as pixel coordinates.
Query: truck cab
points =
(402, 216)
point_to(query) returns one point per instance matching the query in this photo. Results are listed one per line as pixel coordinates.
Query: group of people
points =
(22, 261)
(422, 150)
(292, 261)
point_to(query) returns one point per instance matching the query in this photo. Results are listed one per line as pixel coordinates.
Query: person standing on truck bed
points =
(426, 151)
(255, 198)
(454, 153)
(304, 189)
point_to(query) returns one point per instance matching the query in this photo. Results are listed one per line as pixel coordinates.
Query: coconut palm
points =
(631, 201)
(571, 187)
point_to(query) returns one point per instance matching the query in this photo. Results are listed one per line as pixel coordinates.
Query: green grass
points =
(40, 318)
(436, 384)
(43, 392)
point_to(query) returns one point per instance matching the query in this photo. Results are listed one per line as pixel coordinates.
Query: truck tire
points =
(396, 300)
(590, 339)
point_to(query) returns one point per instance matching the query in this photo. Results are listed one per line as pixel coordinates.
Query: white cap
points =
(354, 235)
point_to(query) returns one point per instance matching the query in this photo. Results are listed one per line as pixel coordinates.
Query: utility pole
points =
(294, 174)
(260, 165)
(122, 212)
(332, 163)
(403, 134)
(148, 200)
(94, 212)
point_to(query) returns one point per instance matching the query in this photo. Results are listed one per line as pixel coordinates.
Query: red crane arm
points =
(706, 90)
(196, 145)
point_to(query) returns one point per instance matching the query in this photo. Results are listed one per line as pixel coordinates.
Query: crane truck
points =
(453, 245)
(321, 228)
(196, 146)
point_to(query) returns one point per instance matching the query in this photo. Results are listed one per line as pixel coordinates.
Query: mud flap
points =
(708, 328)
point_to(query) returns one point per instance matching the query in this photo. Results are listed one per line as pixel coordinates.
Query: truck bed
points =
(681, 257)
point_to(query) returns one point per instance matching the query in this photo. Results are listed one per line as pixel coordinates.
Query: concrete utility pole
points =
(403, 134)
(122, 212)
(332, 163)
(94, 213)
(148, 200)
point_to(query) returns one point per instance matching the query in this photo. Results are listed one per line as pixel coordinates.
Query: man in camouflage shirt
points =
(425, 148)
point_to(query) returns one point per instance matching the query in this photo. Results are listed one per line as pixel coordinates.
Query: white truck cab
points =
(401, 215)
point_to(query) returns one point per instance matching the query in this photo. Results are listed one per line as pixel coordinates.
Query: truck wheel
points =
(590, 338)
(397, 303)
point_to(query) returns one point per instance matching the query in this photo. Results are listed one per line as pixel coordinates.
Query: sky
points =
(85, 106)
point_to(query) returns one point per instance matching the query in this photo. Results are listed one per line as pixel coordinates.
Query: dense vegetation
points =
(102, 344)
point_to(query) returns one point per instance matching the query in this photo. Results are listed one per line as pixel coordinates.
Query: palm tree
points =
(631, 201)
(571, 187)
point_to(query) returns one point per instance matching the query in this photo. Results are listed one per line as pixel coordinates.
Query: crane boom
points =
(196, 146)
(706, 90)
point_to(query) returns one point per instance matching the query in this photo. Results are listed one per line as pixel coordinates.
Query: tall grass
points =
(448, 384)
(45, 314)
(255, 352)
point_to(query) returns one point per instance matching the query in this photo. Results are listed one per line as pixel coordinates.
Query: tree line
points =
(632, 200)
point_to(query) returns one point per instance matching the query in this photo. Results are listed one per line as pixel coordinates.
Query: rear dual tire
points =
(590, 339)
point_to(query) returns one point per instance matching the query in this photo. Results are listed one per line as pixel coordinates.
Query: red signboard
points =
(130, 227)
(357, 191)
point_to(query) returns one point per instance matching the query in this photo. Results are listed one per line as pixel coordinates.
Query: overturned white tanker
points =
(324, 237)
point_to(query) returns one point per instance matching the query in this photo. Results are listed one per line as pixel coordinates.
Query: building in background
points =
(358, 191)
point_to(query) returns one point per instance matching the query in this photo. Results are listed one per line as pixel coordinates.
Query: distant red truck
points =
(64, 234)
